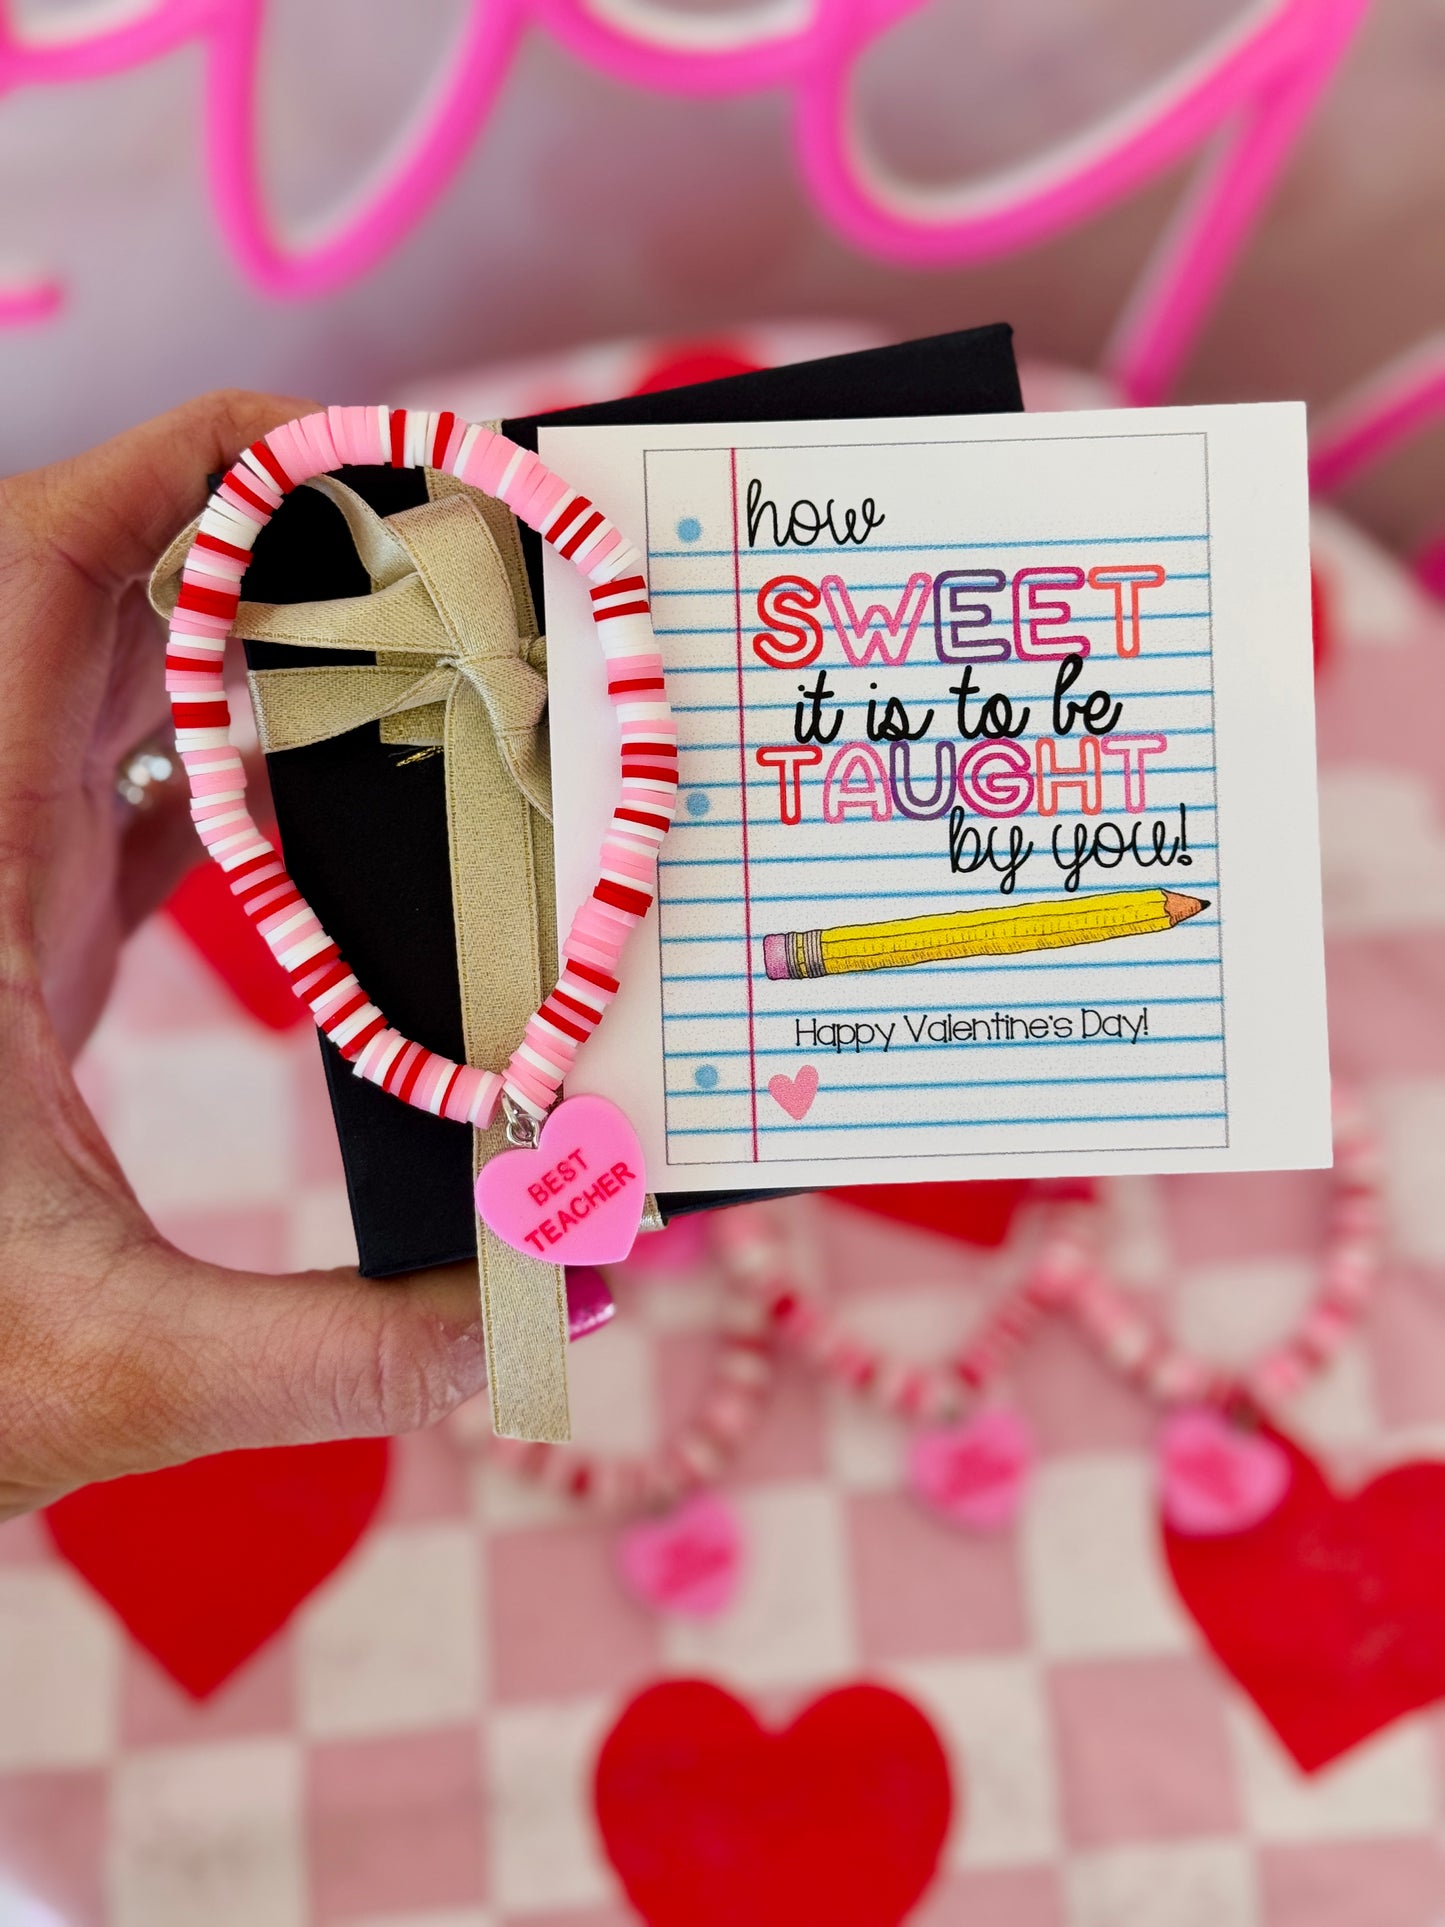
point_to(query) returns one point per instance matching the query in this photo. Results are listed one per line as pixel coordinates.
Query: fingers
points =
(323, 1355)
(112, 510)
(259, 1360)
(205, 1360)
(120, 1354)
(72, 537)
(157, 849)
(159, 844)
(174, 1360)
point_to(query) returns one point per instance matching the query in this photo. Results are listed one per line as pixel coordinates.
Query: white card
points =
(1084, 938)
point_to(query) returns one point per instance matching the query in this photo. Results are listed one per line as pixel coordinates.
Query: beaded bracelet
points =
(1136, 1346)
(767, 1302)
(917, 1392)
(248, 495)
(697, 1454)
(1067, 1277)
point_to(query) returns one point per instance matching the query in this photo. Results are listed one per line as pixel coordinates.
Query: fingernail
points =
(590, 1304)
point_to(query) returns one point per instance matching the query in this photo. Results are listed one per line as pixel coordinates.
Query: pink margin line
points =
(743, 790)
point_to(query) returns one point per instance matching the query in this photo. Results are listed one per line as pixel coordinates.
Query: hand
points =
(117, 1353)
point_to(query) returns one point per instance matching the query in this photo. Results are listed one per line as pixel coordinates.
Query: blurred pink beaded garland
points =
(681, 1548)
(969, 1464)
(733, 1399)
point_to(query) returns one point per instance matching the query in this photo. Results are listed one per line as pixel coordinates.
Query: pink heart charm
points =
(688, 1563)
(795, 1094)
(974, 1474)
(1216, 1478)
(577, 1198)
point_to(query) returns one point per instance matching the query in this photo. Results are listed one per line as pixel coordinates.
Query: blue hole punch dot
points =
(698, 803)
(689, 529)
(705, 1077)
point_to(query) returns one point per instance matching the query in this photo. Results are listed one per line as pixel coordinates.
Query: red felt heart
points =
(687, 364)
(202, 1563)
(711, 1820)
(202, 907)
(979, 1212)
(1330, 1612)
(1322, 619)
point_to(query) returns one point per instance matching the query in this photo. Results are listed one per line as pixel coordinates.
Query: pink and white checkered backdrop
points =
(416, 1749)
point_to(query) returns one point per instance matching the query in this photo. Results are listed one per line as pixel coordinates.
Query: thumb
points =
(175, 1359)
(316, 1355)
(121, 1354)
(330, 1355)
(73, 536)
(112, 510)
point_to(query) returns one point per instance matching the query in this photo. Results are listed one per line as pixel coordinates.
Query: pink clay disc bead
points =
(249, 493)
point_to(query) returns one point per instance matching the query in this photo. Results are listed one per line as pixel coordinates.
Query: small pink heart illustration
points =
(688, 1563)
(974, 1474)
(577, 1198)
(1216, 1478)
(795, 1094)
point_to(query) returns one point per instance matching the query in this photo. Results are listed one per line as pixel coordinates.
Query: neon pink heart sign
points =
(1242, 98)
(1253, 84)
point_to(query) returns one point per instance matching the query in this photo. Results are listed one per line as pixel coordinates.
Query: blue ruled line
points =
(974, 1084)
(847, 856)
(882, 588)
(987, 1043)
(1146, 616)
(675, 669)
(800, 555)
(962, 1123)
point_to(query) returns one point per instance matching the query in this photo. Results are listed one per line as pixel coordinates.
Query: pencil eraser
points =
(775, 956)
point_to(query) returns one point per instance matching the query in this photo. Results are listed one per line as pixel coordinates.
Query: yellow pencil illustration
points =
(1002, 930)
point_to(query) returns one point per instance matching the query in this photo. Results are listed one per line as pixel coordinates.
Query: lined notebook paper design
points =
(1114, 1043)
(996, 848)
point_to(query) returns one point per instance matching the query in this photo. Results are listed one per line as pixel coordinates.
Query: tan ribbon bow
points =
(458, 664)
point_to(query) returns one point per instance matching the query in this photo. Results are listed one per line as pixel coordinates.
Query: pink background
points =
(415, 1751)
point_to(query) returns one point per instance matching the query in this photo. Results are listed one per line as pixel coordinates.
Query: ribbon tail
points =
(449, 595)
(524, 1324)
(382, 556)
(297, 707)
(502, 911)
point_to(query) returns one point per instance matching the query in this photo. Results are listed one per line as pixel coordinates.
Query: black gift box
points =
(408, 1174)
